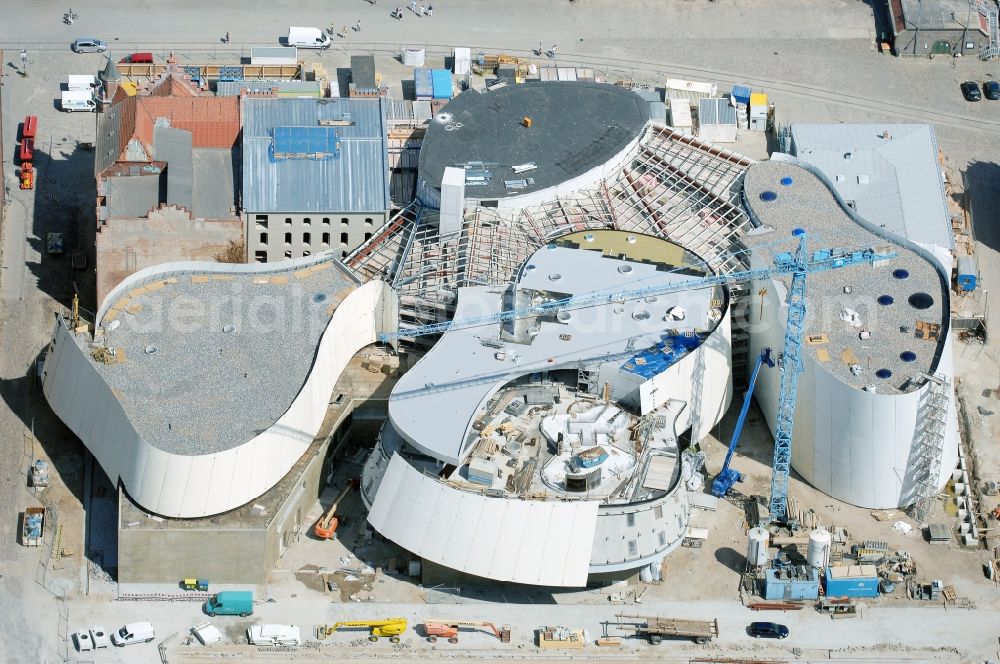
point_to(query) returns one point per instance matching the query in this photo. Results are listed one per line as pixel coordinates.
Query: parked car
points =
(143, 58)
(992, 90)
(89, 45)
(970, 90)
(139, 632)
(767, 630)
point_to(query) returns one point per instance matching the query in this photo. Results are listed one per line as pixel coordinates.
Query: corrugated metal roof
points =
(716, 111)
(893, 181)
(174, 147)
(357, 181)
(280, 88)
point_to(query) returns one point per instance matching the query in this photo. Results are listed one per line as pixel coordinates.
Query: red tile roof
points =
(214, 122)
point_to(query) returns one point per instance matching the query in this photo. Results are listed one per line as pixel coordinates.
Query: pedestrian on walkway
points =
(343, 33)
(430, 11)
(422, 12)
(357, 26)
(413, 6)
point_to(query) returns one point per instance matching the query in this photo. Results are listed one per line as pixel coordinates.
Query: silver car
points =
(89, 45)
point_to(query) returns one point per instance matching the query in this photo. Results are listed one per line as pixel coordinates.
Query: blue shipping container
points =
(423, 84)
(966, 277)
(442, 83)
(741, 94)
(854, 586)
(794, 588)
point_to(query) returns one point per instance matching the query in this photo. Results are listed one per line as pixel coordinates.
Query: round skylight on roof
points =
(768, 196)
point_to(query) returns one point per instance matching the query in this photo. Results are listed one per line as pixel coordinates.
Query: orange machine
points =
(327, 524)
(27, 176)
(448, 629)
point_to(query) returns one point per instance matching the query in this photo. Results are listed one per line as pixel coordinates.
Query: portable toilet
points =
(966, 274)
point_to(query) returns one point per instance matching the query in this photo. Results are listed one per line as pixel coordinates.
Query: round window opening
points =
(907, 356)
(228, 328)
(319, 297)
(641, 315)
(883, 374)
(630, 239)
(885, 300)
(589, 237)
(624, 269)
(555, 276)
(530, 268)
(798, 231)
(151, 349)
(768, 196)
(787, 181)
(921, 301)
(900, 274)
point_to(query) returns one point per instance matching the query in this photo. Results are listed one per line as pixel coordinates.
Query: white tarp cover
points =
(523, 541)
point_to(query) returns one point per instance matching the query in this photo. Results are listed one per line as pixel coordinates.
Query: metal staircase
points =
(930, 444)
(988, 10)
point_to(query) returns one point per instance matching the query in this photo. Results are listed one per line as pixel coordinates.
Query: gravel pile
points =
(890, 297)
(210, 365)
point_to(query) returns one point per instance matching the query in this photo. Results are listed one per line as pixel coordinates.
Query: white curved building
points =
(876, 424)
(206, 382)
(545, 449)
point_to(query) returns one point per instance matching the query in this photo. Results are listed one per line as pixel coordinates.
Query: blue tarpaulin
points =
(741, 94)
(441, 79)
(658, 358)
(305, 143)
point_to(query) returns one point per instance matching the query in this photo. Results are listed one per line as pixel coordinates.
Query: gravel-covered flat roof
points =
(191, 384)
(891, 297)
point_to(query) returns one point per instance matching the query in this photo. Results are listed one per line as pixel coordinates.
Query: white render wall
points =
(702, 379)
(850, 444)
(195, 486)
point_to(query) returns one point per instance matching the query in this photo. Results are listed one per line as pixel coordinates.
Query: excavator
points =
(448, 629)
(390, 627)
(327, 524)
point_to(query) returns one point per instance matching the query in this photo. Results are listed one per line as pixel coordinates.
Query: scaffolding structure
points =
(672, 186)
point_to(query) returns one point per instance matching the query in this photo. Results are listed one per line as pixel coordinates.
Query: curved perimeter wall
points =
(853, 445)
(196, 486)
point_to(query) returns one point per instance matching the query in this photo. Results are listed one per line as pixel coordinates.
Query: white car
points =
(139, 632)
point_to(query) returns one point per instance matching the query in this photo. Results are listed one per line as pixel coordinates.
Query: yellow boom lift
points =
(389, 627)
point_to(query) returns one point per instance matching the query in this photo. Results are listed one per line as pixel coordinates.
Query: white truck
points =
(137, 632)
(274, 635)
(81, 82)
(78, 100)
(307, 38)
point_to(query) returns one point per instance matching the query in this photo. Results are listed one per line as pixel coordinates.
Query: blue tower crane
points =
(797, 264)
(727, 477)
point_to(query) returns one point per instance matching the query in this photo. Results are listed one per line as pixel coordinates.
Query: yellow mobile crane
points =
(390, 627)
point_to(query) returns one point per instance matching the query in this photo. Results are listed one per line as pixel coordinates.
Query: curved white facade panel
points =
(858, 436)
(537, 542)
(184, 485)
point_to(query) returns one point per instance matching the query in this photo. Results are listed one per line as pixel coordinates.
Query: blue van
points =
(230, 603)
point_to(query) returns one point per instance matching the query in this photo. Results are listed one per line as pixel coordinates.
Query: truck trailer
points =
(655, 628)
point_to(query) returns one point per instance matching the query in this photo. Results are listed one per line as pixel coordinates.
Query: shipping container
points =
(851, 581)
(423, 84)
(691, 90)
(274, 55)
(441, 84)
(741, 94)
(966, 276)
(791, 583)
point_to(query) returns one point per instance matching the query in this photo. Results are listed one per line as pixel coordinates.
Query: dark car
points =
(767, 630)
(970, 90)
(992, 90)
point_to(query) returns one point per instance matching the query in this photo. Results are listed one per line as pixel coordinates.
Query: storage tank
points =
(757, 547)
(818, 554)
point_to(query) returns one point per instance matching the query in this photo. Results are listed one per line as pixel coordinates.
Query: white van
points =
(78, 100)
(81, 82)
(308, 38)
(140, 632)
(274, 635)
